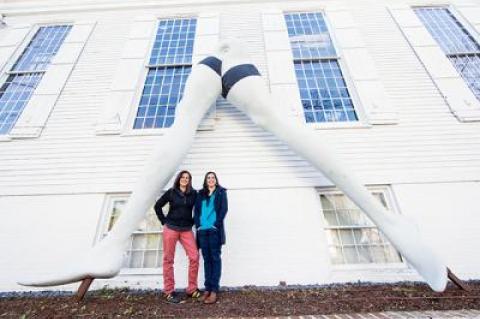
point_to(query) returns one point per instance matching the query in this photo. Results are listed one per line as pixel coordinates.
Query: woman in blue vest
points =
(211, 207)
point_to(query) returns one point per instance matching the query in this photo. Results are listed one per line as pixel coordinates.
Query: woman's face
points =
(184, 180)
(211, 180)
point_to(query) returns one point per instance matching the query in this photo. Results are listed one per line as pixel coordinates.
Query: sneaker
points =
(195, 295)
(172, 298)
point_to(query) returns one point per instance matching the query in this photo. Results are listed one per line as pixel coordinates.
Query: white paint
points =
(38, 232)
(280, 72)
(429, 146)
(272, 235)
(449, 220)
(405, 153)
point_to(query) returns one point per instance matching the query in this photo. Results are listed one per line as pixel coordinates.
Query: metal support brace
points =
(82, 290)
(457, 281)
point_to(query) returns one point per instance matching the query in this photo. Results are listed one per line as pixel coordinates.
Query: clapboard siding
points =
(70, 157)
(432, 136)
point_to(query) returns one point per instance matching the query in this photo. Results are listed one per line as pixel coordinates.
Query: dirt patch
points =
(247, 302)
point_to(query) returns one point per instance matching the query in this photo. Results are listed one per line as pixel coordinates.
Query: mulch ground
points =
(246, 302)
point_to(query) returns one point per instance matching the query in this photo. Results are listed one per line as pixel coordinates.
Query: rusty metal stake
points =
(82, 290)
(457, 281)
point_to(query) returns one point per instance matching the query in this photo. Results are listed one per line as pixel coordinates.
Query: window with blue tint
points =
(27, 72)
(170, 64)
(459, 45)
(324, 94)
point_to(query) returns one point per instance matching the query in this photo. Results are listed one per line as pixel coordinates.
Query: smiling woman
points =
(177, 227)
(210, 210)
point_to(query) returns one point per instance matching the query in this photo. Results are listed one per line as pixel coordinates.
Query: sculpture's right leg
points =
(253, 97)
(104, 260)
(247, 90)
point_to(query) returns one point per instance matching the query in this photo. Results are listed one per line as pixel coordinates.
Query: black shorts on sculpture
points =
(233, 75)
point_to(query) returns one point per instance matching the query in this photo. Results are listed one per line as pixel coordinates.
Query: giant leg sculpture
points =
(243, 86)
(246, 89)
(104, 260)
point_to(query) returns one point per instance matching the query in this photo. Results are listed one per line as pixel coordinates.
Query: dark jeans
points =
(210, 244)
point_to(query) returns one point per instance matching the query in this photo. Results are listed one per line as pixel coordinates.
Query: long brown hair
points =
(176, 184)
(205, 186)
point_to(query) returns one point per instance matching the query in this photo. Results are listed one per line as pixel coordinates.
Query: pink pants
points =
(186, 238)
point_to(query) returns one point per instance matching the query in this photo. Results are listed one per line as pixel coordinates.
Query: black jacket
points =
(221, 208)
(180, 211)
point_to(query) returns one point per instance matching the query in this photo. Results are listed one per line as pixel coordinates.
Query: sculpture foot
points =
(102, 261)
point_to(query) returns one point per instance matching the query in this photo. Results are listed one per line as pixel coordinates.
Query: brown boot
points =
(211, 299)
(204, 296)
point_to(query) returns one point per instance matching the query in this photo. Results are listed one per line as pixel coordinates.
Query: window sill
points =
(371, 267)
(161, 131)
(107, 129)
(5, 138)
(339, 125)
(468, 115)
(144, 132)
(140, 271)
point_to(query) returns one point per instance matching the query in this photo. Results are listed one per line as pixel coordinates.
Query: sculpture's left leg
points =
(248, 91)
(104, 260)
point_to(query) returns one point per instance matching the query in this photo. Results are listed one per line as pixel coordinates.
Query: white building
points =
(403, 116)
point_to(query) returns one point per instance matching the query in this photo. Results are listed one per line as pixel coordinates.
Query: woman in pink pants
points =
(177, 226)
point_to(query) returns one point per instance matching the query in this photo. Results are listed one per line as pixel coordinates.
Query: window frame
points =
(102, 230)
(450, 85)
(465, 24)
(456, 13)
(362, 121)
(128, 129)
(5, 72)
(392, 206)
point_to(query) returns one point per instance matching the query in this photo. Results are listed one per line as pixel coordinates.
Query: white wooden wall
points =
(427, 143)
(423, 144)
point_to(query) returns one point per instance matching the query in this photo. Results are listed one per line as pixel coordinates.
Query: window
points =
(323, 91)
(352, 237)
(145, 246)
(169, 66)
(458, 44)
(26, 73)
